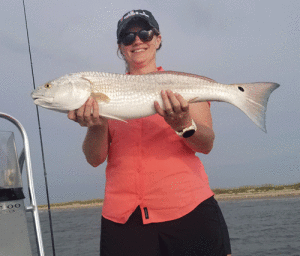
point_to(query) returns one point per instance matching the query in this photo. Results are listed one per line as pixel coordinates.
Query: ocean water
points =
(256, 227)
(264, 227)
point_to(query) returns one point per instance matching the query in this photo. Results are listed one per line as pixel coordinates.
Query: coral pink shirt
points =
(150, 166)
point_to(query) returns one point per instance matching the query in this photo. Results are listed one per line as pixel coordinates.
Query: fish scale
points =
(139, 92)
(124, 97)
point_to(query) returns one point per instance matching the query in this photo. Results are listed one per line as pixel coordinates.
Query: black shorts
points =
(202, 232)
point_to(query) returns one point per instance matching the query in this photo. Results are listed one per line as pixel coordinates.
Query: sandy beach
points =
(258, 195)
(226, 195)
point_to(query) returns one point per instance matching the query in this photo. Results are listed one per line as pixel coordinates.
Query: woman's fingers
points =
(96, 119)
(167, 104)
(173, 102)
(87, 115)
(158, 109)
(176, 110)
(184, 105)
(168, 108)
(80, 115)
(87, 112)
(72, 115)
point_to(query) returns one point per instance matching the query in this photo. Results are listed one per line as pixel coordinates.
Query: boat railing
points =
(7, 207)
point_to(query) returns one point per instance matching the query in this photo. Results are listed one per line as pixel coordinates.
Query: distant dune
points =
(256, 192)
(240, 193)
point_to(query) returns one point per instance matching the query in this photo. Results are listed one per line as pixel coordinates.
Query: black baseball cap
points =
(136, 14)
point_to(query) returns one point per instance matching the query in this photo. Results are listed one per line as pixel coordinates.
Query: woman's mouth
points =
(138, 50)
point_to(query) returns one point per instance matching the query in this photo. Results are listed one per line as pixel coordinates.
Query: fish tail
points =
(254, 102)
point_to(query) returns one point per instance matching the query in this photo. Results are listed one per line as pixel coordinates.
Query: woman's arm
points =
(179, 113)
(203, 139)
(96, 143)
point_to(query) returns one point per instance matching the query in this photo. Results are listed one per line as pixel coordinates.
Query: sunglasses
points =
(144, 35)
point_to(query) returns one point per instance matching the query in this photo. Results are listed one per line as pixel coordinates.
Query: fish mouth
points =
(40, 100)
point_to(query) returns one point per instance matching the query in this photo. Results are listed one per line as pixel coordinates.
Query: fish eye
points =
(48, 86)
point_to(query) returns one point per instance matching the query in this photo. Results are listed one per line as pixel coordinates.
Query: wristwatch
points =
(189, 131)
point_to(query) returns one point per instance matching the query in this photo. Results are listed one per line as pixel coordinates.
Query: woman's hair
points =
(119, 52)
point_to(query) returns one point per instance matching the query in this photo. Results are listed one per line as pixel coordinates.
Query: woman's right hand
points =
(88, 114)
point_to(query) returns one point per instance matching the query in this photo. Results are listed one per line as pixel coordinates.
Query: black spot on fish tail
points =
(241, 89)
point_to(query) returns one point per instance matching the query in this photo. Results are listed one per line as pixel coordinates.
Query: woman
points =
(157, 197)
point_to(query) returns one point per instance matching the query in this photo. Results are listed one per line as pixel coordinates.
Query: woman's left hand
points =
(176, 112)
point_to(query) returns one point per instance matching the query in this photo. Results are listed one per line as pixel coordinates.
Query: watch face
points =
(188, 133)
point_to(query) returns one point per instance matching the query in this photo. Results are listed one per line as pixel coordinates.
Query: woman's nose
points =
(137, 40)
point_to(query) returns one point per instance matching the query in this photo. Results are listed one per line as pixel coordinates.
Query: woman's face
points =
(139, 53)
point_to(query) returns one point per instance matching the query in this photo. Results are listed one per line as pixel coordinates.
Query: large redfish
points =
(126, 97)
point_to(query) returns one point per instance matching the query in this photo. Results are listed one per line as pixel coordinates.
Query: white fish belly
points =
(129, 109)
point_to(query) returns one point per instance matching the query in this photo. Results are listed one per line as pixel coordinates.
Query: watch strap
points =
(189, 131)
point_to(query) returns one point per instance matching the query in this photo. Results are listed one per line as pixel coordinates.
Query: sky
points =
(232, 41)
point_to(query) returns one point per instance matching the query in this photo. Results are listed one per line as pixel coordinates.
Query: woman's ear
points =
(120, 49)
(158, 41)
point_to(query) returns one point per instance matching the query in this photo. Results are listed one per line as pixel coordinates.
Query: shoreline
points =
(287, 193)
(250, 194)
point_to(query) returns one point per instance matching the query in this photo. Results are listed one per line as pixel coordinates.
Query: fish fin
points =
(87, 80)
(182, 74)
(193, 100)
(113, 117)
(95, 78)
(253, 101)
(100, 97)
